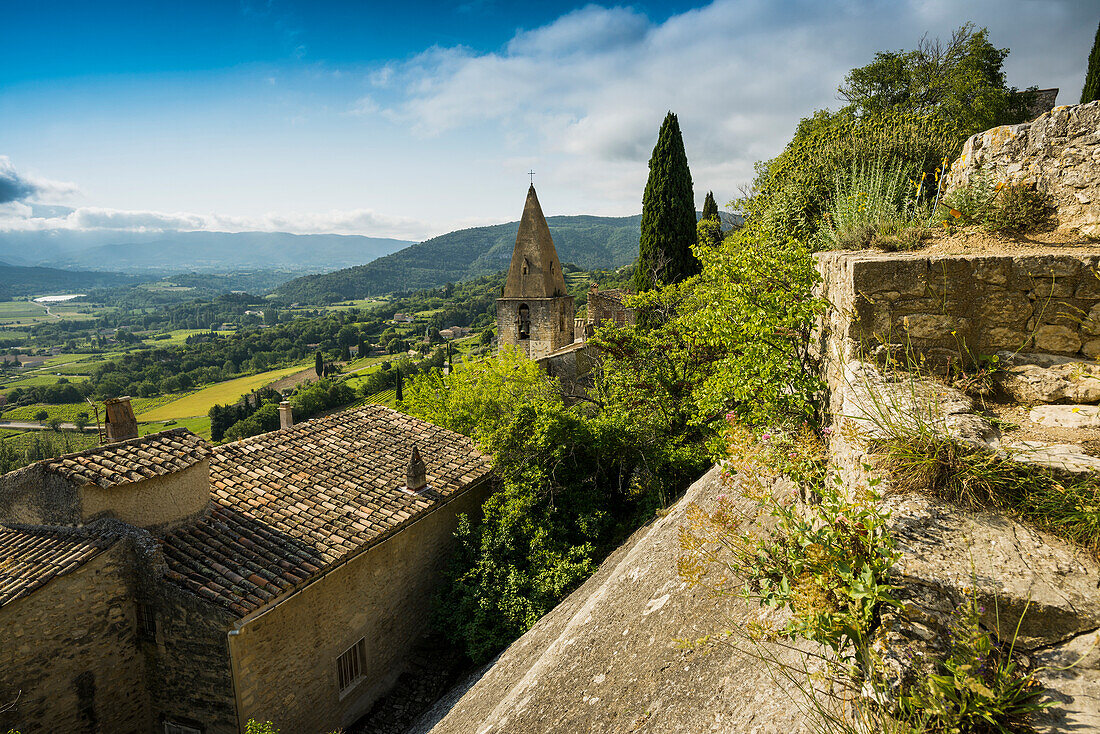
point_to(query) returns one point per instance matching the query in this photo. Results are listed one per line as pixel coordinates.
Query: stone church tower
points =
(535, 313)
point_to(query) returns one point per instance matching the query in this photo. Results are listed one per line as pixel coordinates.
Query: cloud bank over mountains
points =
(579, 98)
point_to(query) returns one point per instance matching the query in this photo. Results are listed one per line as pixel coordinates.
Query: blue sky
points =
(411, 119)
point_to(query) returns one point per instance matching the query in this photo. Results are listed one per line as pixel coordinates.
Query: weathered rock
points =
(1071, 673)
(883, 406)
(1061, 457)
(1065, 381)
(1057, 338)
(1057, 153)
(1066, 416)
(1017, 574)
(610, 658)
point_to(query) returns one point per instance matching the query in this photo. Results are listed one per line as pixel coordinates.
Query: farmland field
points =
(198, 426)
(199, 403)
(67, 412)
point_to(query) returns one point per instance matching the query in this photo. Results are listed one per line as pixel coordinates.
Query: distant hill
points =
(21, 281)
(587, 241)
(165, 252)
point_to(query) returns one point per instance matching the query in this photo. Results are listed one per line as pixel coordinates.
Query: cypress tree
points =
(400, 386)
(319, 365)
(668, 214)
(1091, 90)
(710, 207)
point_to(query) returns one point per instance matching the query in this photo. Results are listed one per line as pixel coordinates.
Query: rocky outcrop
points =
(613, 658)
(1058, 153)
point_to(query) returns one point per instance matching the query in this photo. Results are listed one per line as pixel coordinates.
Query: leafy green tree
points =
(41, 416)
(1091, 90)
(961, 80)
(668, 214)
(319, 365)
(710, 207)
(81, 421)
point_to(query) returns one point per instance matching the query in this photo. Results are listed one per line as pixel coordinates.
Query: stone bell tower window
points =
(524, 322)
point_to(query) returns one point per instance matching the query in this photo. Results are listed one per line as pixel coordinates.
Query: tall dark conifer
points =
(1091, 90)
(319, 365)
(668, 214)
(400, 386)
(710, 207)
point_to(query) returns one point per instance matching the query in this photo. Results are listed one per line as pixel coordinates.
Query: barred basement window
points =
(175, 727)
(146, 622)
(351, 664)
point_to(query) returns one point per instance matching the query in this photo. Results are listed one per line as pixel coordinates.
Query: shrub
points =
(872, 203)
(1019, 208)
(971, 203)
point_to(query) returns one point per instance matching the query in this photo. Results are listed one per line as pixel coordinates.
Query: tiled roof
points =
(132, 460)
(29, 557)
(289, 503)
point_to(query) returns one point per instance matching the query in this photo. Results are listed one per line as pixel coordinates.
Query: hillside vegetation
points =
(587, 241)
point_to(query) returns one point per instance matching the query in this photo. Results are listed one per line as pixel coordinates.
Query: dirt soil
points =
(980, 241)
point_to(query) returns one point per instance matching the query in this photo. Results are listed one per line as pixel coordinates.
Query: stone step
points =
(1048, 378)
(1066, 416)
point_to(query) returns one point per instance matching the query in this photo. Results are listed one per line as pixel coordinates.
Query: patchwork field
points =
(199, 402)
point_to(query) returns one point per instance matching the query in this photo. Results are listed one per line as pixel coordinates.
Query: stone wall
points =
(68, 654)
(35, 496)
(944, 308)
(284, 659)
(1059, 153)
(551, 324)
(158, 502)
(189, 675)
(608, 307)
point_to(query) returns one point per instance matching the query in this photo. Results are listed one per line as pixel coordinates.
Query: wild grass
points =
(872, 205)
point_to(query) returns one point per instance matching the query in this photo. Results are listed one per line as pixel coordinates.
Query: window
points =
(350, 665)
(146, 622)
(176, 727)
(524, 322)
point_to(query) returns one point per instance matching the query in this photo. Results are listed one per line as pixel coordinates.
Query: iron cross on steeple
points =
(532, 175)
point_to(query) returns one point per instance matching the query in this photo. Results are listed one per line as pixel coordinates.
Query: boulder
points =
(1058, 153)
(1067, 381)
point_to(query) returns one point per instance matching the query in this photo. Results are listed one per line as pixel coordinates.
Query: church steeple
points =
(535, 271)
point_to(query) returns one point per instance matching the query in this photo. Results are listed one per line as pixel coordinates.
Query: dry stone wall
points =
(951, 307)
(1058, 153)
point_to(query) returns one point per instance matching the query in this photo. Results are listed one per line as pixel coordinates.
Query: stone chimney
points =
(286, 414)
(121, 423)
(416, 478)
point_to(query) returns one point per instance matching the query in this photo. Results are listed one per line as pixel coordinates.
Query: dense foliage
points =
(668, 214)
(1091, 90)
(574, 479)
(960, 80)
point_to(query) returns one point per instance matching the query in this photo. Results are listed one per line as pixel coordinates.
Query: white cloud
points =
(589, 90)
(16, 186)
(358, 221)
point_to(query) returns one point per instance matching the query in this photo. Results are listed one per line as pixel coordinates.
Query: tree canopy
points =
(710, 207)
(961, 80)
(668, 214)
(1091, 90)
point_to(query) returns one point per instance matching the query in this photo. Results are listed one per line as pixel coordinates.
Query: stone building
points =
(535, 313)
(608, 306)
(158, 584)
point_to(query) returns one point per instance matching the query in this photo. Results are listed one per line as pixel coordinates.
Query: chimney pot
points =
(286, 414)
(121, 423)
(416, 478)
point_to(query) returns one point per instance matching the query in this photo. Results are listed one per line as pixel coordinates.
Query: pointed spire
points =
(535, 271)
(416, 477)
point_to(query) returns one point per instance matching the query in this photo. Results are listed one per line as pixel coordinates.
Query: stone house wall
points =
(68, 654)
(189, 675)
(284, 659)
(551, 324)
(157, 502)
(607, 308)
(35, 496)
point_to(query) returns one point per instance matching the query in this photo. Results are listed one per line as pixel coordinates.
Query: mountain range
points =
(587, 241)
(166, 252)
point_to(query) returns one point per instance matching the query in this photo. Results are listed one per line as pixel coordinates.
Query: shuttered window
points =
(350, 665)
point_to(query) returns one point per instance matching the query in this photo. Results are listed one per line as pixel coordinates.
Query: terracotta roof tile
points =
(29, 557)
(132, 460)
(288, 503)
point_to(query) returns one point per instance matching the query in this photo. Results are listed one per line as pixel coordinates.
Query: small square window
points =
(146, 622)
(351, 664)
(176, 727)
